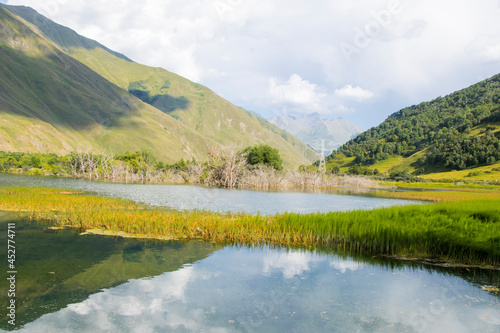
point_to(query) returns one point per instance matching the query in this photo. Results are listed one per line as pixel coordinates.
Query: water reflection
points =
(118, 285)
(188, 197)
(57, 268)
(246, 290)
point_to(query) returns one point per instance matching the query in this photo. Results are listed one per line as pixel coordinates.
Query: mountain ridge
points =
(76, 94)
(61, 35)
(459, 131)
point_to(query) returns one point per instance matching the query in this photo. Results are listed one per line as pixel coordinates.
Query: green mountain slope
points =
(190, 105)
(49, 102)
(458, 131)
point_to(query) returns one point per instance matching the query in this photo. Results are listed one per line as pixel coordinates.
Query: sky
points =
(361, 60)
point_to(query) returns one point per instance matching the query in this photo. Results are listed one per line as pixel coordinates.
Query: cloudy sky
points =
(361, 60)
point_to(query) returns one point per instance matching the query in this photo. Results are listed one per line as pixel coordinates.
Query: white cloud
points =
(342, 109)
(486, 48)
(296, 91)
(404, 30)
(424, 50)
(356, 93)
(144, 305)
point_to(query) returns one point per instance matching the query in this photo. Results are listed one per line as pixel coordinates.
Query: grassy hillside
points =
(49, 102)
(460, 131)
(193, 105)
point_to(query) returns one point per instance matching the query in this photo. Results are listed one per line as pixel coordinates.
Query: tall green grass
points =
(465, 232)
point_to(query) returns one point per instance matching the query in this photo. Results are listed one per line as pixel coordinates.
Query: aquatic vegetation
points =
(465, 232)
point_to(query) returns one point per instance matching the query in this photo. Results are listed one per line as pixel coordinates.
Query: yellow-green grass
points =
(388, 164)
(465, 232)
(483, 173)
(342, 162)
(446, 196)
(400, 162)
(385, 166)
(455, 186)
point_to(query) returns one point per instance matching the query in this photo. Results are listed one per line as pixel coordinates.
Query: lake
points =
(72, 283)
(66, 282)
(188, 197)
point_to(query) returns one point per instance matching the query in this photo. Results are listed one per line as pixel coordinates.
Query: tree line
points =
(259, 166)
(437, 122)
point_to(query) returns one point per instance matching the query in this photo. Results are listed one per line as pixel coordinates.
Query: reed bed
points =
(466, 232)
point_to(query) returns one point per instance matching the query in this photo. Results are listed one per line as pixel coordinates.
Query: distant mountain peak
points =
(312, 129)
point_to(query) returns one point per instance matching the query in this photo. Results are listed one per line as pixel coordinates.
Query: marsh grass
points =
(465, 232)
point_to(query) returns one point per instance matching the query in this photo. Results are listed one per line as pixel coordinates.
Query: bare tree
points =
(225, 166)
(106, 162)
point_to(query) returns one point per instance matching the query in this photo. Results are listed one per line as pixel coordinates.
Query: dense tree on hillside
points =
(459, 151)
(445, 121)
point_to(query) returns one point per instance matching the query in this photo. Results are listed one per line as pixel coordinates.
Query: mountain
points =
(456, 132)
(62, 92)
(312, 130)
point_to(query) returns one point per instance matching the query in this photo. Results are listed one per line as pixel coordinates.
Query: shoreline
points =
(431, 261)
(458, 233)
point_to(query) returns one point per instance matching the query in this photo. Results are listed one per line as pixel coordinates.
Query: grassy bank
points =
(444, 196)
(456, 186)
(465, 232)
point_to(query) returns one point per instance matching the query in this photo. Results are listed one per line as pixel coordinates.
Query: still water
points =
(67, 282)
(186, 197)
(72, 283)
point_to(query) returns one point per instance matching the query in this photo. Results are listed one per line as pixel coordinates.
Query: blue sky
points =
(361, 60)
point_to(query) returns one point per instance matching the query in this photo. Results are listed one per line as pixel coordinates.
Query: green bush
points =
(264, 154)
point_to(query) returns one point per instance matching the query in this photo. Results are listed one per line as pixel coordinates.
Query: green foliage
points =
(29, 162)
(335, 170)
(181, 165)
(401, 175)
(458, 151)
(138, 160)
(443, 120)
(361, 170)
(264, 154)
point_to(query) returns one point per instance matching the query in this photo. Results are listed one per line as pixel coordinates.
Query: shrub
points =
(264, 154)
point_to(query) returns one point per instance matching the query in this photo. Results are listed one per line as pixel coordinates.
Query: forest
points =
(444, 125)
